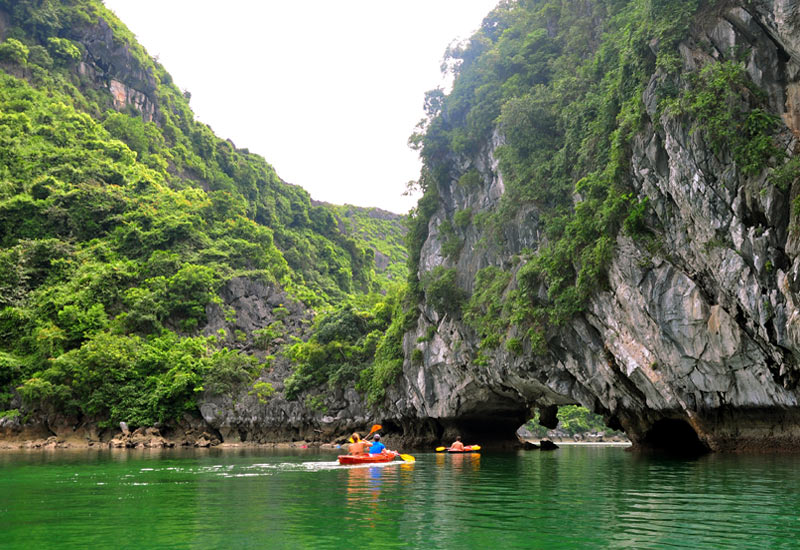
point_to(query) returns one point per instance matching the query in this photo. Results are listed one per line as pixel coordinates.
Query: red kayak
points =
(467, 449)
(368, 459)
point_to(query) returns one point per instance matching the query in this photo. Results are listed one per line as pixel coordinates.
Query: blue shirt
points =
(376, 448)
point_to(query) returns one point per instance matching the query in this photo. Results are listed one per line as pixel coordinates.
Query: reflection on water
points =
(576, 497)
(458, 461)
(364, 486)
(469, 461)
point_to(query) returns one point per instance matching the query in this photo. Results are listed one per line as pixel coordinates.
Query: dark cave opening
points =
(494, 430)
(673, 436)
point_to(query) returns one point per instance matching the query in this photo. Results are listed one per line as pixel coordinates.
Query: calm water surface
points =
(572, 498)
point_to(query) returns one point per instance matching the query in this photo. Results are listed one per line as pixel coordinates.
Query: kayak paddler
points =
(457, 445)
(358, 446)
(377, 447)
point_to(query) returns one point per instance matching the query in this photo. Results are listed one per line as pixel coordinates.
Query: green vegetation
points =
(119, 224)
(442, 291)
(382, 232)
(463, 218)
(727, 105)
(263, 391)
(358, 345)
(14, 51)
(484, 311)
(451, 242)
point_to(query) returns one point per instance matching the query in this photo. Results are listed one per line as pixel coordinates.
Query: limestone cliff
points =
(696, 338)
(245, 416)
(112, 65)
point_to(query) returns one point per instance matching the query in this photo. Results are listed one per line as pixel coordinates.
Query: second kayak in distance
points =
(467, 449)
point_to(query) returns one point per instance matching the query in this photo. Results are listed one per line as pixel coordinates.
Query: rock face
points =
(59, 432)
(248, 417)
(112, 66)
(109, 64)
(696, 344)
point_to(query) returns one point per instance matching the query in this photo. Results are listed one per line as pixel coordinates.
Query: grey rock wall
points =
(114, 67)
(246, 307)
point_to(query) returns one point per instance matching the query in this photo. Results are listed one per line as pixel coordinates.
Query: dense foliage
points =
(727, 105)
(560, 84)
(383, 233)
(119, 224)
(357, 345)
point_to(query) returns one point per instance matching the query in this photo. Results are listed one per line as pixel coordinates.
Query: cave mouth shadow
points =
(496, 431)
(673, 437)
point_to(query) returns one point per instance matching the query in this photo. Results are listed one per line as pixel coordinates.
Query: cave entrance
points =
(673, 436)
(495, 430)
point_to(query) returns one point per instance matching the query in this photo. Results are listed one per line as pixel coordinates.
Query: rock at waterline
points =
(547, 445)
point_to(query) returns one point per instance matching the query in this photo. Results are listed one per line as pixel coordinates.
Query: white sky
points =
(328, 92)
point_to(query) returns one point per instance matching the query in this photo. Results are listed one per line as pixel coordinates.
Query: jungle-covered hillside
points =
(122, 217)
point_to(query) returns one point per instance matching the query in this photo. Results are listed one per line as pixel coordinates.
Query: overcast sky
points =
(328, 92)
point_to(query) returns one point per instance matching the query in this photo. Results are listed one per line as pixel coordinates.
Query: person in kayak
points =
(457, 445)
(358, 446)
(377, 447)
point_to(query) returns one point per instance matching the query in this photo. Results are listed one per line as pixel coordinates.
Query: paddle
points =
(408, 458)
(375, 428)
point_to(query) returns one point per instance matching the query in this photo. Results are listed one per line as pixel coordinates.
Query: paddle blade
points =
(440, 449)
(375, 428)
(476, 447)
(408, 458)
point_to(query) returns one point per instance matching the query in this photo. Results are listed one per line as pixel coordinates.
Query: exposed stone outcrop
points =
(112, 65)
(141, 438)
(60, 432)
(249, 305)
(703, 334)
(108, 64)
(247, 417)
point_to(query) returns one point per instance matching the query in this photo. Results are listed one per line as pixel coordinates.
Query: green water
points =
(572, 498)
